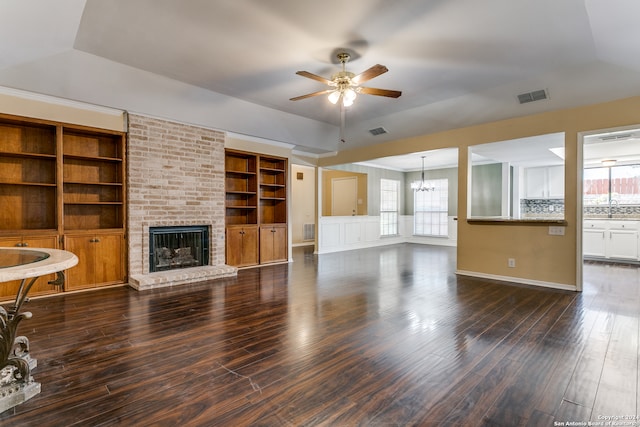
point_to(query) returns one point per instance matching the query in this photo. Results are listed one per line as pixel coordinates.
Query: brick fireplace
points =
(175, 179)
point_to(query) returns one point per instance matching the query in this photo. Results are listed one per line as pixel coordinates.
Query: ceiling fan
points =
(345, 86)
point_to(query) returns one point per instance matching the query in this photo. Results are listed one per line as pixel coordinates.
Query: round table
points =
(26, 265)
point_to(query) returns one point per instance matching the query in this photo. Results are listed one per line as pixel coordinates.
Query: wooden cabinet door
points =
(108, 255)
(250, 246)
(273, 243)
(41, 286)
(99, 260)
(233, 246)
(279, 243)
(242, 246)
(81, 276)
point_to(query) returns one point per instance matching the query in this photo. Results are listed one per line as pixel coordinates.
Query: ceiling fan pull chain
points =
(343, 113)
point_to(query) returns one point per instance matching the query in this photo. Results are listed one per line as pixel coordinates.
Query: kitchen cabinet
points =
(544, 182)
(594, 239)
(611, 239)
(623, 240)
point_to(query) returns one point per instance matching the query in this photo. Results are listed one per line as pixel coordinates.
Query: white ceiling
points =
(231, 64)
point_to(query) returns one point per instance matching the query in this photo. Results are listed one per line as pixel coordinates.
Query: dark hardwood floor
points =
(378, 337)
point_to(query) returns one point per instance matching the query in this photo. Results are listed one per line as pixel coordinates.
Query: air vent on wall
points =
(536, 95)
(377, 131)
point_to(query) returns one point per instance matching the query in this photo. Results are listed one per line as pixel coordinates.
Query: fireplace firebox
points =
(178, 247)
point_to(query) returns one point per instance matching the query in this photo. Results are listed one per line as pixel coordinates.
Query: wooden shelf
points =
(248, 193)
(27, 155)
(107, 184)
(271, 170)
(256, 194)
(59, 178)
(31, 184)
(33, 207)
(93, 203)
(92, 216)
(242, 173)
(93, 158)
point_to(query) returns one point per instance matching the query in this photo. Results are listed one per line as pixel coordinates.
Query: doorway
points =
(610, 202)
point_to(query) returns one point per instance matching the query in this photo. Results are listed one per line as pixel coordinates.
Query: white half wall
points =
(344, 233)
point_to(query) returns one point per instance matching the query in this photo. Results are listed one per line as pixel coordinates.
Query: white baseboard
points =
(560, 286)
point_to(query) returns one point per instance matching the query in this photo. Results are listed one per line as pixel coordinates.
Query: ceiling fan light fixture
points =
(349, 96)
(347, 102)
(334, 96)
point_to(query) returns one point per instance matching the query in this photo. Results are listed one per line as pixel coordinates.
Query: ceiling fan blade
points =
(372, 72)
(309, 95)
(314, 77)
(380, 92)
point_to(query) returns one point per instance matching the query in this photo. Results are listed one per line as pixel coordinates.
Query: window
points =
(611, 187)
(389, 207)
(431, 208)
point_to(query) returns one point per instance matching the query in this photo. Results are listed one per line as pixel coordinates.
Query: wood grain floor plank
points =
(385, 336)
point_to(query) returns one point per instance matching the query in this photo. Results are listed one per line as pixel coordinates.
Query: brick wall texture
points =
(175, 177)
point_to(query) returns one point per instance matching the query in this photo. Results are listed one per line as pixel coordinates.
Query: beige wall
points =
(303, 201)
(49, 108)
(484, 249)
(255, 145)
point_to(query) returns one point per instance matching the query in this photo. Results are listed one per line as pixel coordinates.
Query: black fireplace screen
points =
(178, 247)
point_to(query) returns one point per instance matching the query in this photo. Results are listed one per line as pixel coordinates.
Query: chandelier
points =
(421, 185)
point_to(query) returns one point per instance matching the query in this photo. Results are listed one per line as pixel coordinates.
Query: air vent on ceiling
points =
(536, 95)
(377, 131)
(616, 137)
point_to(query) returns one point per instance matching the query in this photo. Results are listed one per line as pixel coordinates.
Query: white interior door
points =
(344, 196)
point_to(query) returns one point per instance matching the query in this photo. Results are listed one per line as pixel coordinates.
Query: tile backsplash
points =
(617, 211)
(541, 208)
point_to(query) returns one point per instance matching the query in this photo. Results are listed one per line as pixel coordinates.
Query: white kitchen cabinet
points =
(611, 239)
(544, 182)
(623, 240)
(555, 182)
(594, 239)
(534, 179)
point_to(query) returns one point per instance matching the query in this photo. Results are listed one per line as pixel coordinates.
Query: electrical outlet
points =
(511, 262)
(556, 231)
